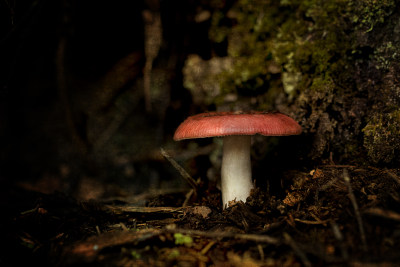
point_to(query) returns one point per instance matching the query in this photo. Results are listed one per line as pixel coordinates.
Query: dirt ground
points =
(335, 215)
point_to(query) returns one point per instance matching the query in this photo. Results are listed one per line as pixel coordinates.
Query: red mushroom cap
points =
(214, 124)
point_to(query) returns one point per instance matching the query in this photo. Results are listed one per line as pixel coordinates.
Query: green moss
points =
(371, 12)
(322, 84)
(298, 35)
(313, 37)
(181, 239)
(385, 54)
(173, 254)
(248, 46)
(322, 48)
(381, 137)
(318, 53)
(135, 255)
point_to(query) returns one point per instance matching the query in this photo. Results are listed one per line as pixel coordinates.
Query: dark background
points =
(73, 70)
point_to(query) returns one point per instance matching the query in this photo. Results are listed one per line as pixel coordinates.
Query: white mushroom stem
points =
(236, 181)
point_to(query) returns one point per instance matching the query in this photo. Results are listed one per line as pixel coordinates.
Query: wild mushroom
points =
(236, 128)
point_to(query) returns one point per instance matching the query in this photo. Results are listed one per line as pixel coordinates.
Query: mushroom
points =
(236, 128)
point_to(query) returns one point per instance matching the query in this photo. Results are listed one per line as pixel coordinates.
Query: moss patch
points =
(382, 135)
(320, 59)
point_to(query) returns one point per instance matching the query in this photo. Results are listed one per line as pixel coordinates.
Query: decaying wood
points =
(129, 209)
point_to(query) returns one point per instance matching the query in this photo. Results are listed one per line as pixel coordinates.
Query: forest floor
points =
(333, 216)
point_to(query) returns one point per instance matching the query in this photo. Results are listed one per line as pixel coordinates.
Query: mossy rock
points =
(326, 63)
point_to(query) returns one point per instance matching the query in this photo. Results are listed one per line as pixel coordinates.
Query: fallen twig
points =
(339, 236)
(122, 209)
(311, 222)
(338, 166)
(289, 240)
(188, 196)
(393, 176)
(90, 247)
(185, 175)
(388, 214)
(261, 252)
(346, 178)
(207, 247)
(248, 237)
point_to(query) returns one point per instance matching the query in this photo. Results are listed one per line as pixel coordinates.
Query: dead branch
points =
(393, 176)
(339, 236)
(338, 166)
(289, 240)
(248, 237)
(122, 209)
(185, 175)
(311, 222)
(388, 214)
(346, 178)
